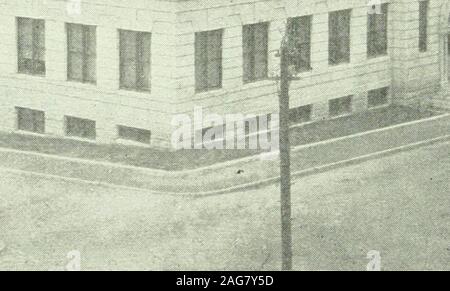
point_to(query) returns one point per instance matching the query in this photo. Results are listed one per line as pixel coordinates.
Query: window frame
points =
(372, 94)
(250, 52)
(37, 47)
(341, 110)
(135, 132)
(68, 125)
(296, 115)
(338, 37)
(424, 10)
(86, 53)
(203, 62)
(36, 115)
(298, 21)
(374, 36)
(139, 64)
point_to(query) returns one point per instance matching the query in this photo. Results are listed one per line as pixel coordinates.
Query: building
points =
(112, 71)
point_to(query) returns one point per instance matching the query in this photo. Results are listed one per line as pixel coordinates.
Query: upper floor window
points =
(377, 32)
(423, 25)
(135, 60)
(299, 29)
(31, 46)
(256, 50)
(208, 60)
(339, 37)
(81, 53)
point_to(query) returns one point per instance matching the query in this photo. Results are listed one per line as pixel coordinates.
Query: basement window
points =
(30, 120)
(377, 97)
(134, 134)
(78, 127)
(340, 106)
(301, 114)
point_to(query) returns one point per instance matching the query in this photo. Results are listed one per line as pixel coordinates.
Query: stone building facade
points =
(118, 71)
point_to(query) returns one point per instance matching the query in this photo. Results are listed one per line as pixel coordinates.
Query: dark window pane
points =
(339, 37)
(201, 61)
(30, 120)
(261, 51)
(78, 127)
(300, 31)
(423, 25)
(31, 46)
(135, 60)
(255, 46)
(81, 48)
(301, 114)
(378, 97)
(340, 106)
(134, 134)
(143, 57)
(208, 60)
(377, 32)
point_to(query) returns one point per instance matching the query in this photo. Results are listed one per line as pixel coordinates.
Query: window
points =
(340, 106)
(81, 53)
(78, 127)
(301, 114)
(135, 58)
(378, 97)
(377, 32)
(300, 30)
(261, 123)
(423, 26)
(31, 46)
(134, 134)
(339, 37)
(256, 49)
(208, 60)
(30, 120)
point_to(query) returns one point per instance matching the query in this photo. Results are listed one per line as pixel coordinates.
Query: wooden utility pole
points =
(285, 159)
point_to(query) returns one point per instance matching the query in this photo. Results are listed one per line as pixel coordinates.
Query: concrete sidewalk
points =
(224, 177)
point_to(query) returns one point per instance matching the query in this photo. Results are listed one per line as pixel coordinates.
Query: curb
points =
(253, 185)
(221, 165)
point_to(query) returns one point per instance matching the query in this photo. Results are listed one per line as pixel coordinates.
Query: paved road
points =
(398, 205)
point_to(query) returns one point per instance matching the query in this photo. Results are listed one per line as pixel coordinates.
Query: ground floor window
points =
(30, 120)
(340, 106)
(79, 127)
(134, 134)
(301, 114)
(377, 97)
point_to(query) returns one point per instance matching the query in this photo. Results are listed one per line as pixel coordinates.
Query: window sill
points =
(26, 76)
(380, 58)
(302, 124)
(79, 84)
(387, 104)
(205, 92)
(340, 67)
(258, 83)
(29, 133)
(340, 115)
(140, 91)
(128, 142)
(82, 139)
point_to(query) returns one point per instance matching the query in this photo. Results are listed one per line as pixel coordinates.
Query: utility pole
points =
(285, 157)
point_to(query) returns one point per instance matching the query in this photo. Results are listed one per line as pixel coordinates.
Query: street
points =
(398, 205)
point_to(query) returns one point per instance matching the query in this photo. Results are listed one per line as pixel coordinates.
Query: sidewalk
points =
(224, 177)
